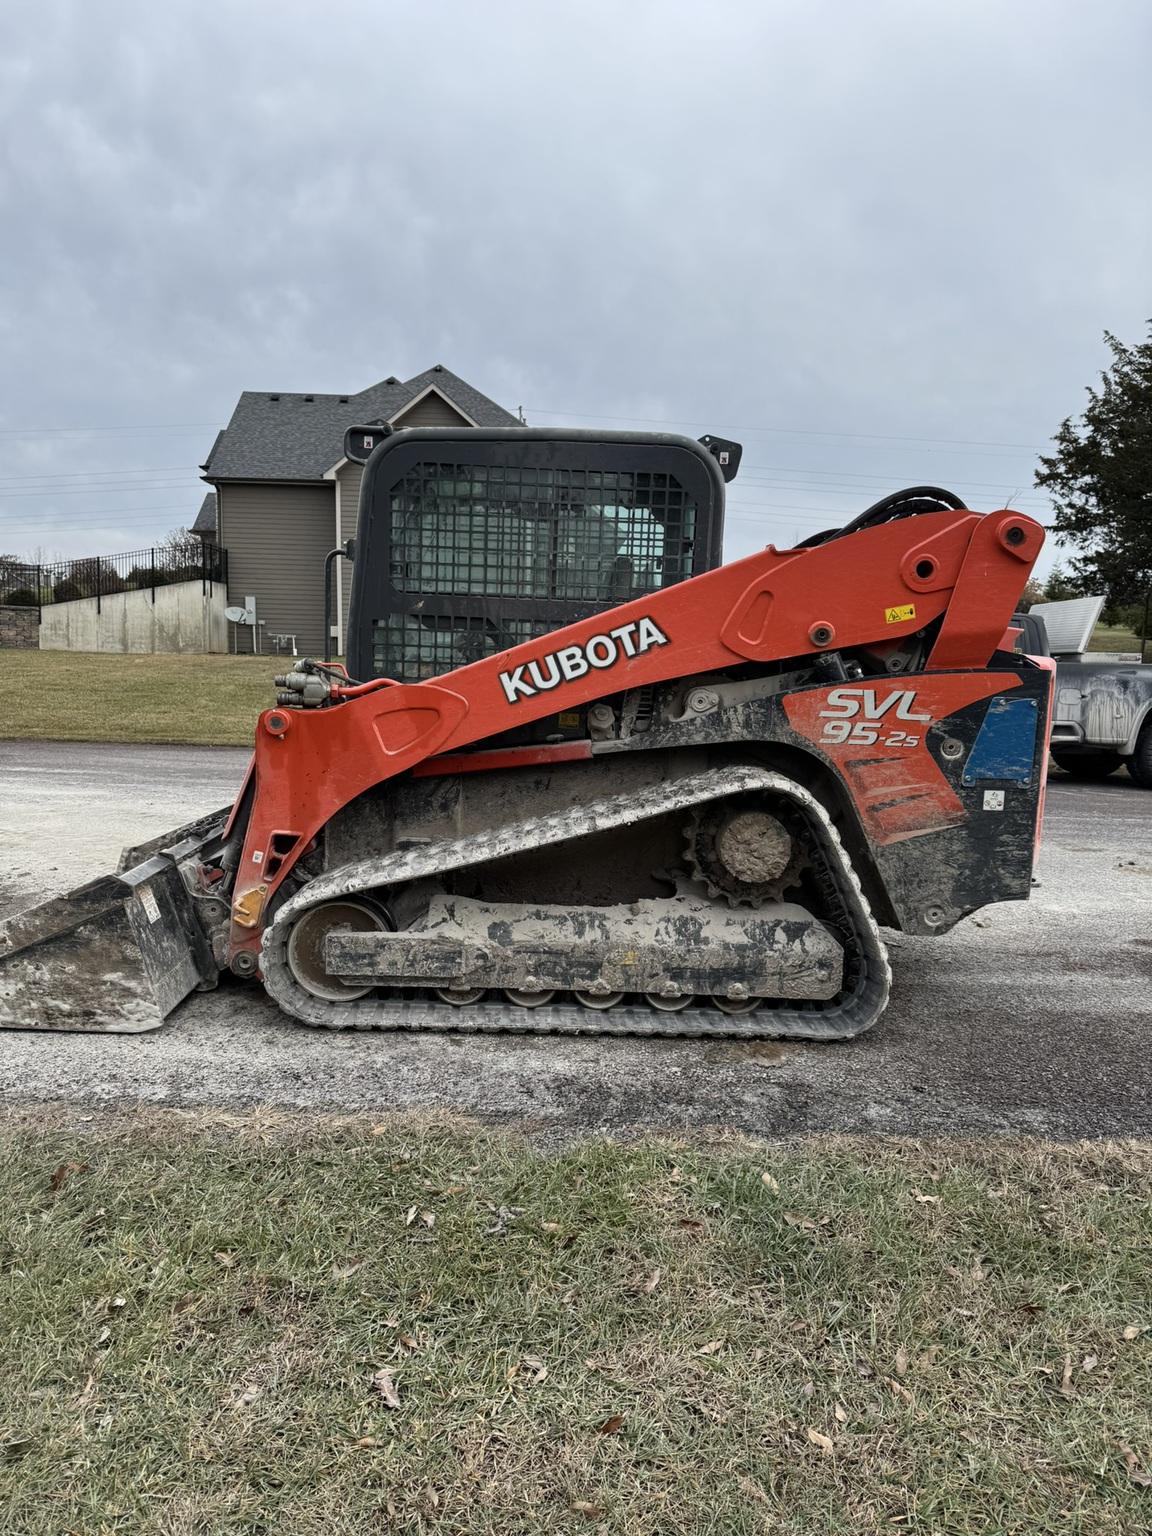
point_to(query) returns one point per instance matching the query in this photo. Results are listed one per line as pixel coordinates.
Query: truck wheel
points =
(1140, 763)
(1088, 765)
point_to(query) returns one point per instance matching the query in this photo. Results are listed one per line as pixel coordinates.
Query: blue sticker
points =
(1005, 744)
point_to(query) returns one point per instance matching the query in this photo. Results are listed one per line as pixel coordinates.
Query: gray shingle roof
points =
(206, 517)
(299, 437)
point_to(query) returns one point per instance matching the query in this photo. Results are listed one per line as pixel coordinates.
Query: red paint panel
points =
(897, 786)
(507, 757)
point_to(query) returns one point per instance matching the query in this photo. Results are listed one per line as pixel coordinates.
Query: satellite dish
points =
(238, 615)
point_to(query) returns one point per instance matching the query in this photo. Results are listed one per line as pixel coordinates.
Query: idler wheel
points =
(306, 947)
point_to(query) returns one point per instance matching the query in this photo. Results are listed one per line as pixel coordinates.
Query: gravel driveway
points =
(1032, 1018)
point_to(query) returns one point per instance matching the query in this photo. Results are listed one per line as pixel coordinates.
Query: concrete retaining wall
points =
(186, 617)
(18, 628)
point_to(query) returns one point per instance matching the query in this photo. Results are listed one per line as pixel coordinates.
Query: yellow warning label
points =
(569, 717)
(900, 615)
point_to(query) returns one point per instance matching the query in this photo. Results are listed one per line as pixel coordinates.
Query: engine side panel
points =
(936, 781)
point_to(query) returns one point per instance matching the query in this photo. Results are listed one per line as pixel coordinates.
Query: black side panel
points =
(933, 880)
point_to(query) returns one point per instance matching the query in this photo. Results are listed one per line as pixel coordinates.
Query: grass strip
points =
(210, 701)
(269, 1325)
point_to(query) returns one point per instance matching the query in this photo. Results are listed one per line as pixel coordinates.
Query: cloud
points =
(895, 219)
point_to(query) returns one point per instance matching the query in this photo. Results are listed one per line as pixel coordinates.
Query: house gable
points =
(205, 524)
(432, 408)
(293, 437)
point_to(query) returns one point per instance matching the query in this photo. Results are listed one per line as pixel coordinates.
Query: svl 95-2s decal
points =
(899, 790)
(860, 715)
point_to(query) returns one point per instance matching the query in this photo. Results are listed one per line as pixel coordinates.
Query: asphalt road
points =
(1033, 1018)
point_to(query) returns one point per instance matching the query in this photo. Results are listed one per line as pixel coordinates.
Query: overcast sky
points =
(878, 242)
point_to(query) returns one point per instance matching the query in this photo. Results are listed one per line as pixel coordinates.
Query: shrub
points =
(88, 578)
(143, 576)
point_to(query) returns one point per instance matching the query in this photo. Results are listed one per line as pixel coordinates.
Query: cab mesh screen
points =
(589, 536)
(409, 647)
(594, 535)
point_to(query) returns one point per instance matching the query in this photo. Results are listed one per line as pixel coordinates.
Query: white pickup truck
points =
(1102, 713)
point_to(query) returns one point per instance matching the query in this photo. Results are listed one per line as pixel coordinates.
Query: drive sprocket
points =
(741, 853)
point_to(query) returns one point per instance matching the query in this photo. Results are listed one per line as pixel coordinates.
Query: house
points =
(284, 495)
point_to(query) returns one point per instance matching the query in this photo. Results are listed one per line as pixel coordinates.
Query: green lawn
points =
(79, 696)
(1110, 637)
(268, 1325)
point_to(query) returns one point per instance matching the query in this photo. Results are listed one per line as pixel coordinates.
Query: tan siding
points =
(350, 477)
(276, 537)
(432, 411)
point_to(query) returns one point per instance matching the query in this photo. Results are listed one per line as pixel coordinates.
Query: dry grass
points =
(192, 700)
(817, 1337)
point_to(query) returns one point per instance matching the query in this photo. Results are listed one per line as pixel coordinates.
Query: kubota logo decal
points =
(858, 715)
(597, 653)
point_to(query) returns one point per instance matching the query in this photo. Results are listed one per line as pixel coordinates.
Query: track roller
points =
(736, 1004)
(459, 997)
(598, 999)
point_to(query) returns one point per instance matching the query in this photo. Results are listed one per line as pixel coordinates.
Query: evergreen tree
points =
(1060, 586)
(1100, 479)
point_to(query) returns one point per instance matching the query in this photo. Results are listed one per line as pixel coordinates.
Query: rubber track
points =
(858, 1005)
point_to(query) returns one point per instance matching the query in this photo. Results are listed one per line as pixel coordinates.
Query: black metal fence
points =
(99, 576)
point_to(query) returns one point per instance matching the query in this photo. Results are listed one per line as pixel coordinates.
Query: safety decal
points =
(900, 615)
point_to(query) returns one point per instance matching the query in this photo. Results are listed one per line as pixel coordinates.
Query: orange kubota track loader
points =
(578, 776)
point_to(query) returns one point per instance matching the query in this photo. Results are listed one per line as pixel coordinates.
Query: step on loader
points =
(579, 776)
